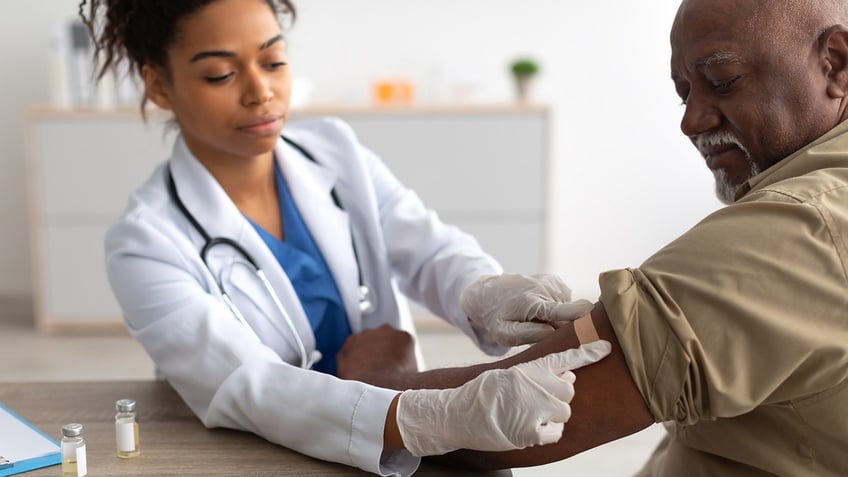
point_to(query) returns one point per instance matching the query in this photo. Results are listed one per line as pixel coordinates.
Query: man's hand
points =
(377, 350)
(499, 410)
(517, 309)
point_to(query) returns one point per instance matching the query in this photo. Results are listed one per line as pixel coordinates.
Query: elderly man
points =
(736, 334)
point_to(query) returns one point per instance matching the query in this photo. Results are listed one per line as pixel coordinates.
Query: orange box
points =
(393, 92)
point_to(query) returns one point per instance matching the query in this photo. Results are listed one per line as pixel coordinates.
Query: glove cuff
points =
(420, 419)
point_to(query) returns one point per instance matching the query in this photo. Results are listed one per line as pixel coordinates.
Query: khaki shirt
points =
(736, 334)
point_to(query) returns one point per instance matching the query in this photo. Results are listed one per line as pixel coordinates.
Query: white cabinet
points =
(482, 168)
(82, 168)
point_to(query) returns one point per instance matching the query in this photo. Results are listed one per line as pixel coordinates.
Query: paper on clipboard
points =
(24, 445)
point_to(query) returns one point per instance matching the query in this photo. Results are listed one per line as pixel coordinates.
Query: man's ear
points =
(155, 86)
(834, 43)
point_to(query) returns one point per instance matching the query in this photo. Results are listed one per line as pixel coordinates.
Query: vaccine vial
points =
(126, 429)
(73, 451)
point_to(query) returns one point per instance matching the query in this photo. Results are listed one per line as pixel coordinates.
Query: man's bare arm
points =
(385, 357)
(607, 405)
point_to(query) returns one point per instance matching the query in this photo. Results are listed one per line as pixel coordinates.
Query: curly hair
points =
(139, 32)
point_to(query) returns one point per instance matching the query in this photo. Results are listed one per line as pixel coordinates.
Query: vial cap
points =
(72, 430)
(125, 405)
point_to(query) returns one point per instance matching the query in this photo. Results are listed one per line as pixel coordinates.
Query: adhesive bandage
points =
(585, 329)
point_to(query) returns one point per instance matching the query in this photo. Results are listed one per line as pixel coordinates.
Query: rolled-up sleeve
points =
(745, 309)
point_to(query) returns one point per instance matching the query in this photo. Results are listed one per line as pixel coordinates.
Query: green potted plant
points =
(523, 70)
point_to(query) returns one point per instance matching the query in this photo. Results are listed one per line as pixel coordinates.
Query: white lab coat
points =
(172, 304)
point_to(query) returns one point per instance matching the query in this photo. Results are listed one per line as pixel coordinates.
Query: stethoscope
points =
(366, 296)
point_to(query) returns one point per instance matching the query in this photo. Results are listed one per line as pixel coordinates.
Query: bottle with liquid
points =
(126, 429)
(73, 451)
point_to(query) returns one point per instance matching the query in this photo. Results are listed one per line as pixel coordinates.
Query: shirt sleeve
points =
(745, 309)
(429, 261)
(432, 261)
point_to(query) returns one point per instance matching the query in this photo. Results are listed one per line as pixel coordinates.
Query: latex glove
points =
(518, 309)
(499, 410)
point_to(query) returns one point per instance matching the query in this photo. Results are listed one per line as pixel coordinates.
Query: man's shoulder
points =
(815, 187)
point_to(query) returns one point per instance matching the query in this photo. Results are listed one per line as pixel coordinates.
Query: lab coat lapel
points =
(310, 184)
(206, 200)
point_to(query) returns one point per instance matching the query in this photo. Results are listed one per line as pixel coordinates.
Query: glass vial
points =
(73, 451)
(126, 429)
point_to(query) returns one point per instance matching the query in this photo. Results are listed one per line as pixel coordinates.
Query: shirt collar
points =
(830, 150)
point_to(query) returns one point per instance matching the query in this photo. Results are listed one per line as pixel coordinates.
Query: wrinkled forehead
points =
(705, 28)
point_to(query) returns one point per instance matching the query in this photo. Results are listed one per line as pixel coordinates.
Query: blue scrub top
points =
(310, 277)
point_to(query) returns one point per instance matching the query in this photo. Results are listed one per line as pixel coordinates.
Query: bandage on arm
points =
(606, 406)
(585, 330)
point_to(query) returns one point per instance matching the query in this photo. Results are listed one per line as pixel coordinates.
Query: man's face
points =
(752, 97)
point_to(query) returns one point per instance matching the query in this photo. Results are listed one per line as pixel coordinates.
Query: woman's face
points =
(229, 81)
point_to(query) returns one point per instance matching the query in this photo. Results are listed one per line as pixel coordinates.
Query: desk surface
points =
(173, 441)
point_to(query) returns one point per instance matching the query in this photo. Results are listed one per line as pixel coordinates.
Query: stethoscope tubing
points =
(210, 243)
(366, 303)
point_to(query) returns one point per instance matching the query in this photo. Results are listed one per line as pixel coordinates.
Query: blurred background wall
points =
(624, 180)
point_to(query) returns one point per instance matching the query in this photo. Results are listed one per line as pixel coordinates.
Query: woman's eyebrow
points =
(212, 54)
(229, 54)
(270, 42)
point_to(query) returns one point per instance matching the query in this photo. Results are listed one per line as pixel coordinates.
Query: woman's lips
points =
(263, 126)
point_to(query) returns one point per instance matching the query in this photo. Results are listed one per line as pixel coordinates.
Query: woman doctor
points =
(248, 258)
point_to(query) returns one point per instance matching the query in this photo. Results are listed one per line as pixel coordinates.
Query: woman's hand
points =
(499, 410)
(513, 309)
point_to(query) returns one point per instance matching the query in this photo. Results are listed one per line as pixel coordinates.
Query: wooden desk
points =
(173, 441)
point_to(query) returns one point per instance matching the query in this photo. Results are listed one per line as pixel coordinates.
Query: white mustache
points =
(722, 138)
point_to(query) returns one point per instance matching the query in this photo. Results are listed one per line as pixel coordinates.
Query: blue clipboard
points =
(36, 462)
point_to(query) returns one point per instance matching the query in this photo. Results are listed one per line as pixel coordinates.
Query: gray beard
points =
(725, 191)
